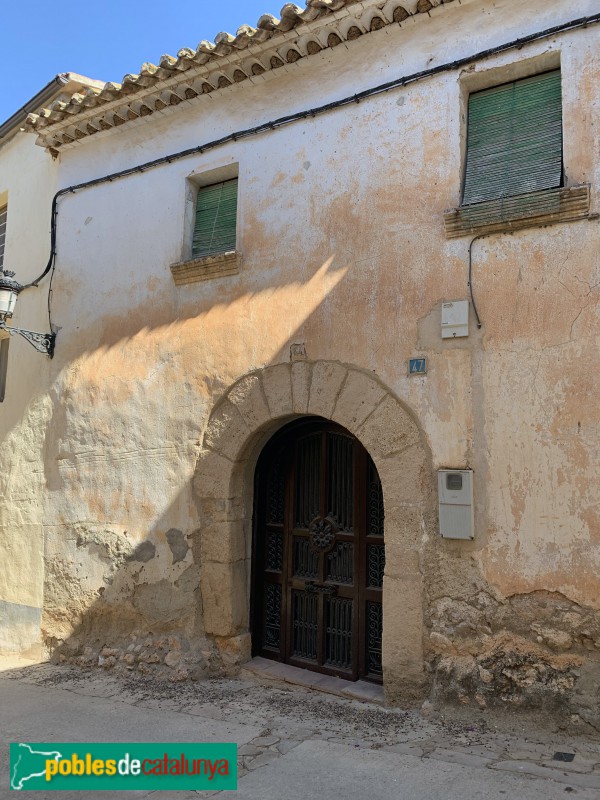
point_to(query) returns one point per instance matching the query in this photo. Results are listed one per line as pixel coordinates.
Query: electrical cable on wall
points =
(470, 281)
(265, 127)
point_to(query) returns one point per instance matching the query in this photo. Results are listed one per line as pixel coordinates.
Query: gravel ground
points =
(287, 716)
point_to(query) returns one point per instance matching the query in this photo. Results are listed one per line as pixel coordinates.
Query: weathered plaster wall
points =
(26, 408)
(341, 235)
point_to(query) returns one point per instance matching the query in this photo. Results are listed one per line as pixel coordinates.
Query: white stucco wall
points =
(27, 184)
(340, 228)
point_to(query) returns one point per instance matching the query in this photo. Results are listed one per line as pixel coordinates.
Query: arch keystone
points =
(301, 375)
(327, 380)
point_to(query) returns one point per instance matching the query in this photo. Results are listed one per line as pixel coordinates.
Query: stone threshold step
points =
(274, 671)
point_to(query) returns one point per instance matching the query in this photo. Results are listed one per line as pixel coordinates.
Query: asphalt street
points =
(294, 744)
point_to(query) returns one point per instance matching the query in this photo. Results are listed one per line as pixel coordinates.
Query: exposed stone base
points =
(522, 680)
(511, 672)
(165, 657)
(234, 651)
(534, 651)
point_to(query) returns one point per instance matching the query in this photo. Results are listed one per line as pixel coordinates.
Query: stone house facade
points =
(229, 443)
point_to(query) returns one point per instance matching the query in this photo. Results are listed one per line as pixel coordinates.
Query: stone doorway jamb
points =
(240, 424)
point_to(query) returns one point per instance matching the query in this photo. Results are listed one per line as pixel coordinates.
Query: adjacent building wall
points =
(27, 184)
(340, 230)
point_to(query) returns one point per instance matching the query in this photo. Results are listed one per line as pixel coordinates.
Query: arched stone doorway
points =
(318, 552)
(243, 421)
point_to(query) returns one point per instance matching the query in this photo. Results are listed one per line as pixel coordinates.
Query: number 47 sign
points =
(417, 366)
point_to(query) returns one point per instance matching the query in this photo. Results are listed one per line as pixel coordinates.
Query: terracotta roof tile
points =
(252, 51)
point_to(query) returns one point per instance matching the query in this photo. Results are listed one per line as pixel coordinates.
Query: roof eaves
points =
(210, 67)
(65, 83)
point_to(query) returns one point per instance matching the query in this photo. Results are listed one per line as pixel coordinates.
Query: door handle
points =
(320, 588)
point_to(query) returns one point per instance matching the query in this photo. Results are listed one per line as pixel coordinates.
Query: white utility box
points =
(455, 493)
(455, 319)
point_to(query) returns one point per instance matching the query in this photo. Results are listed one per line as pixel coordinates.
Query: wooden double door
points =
(319, 552)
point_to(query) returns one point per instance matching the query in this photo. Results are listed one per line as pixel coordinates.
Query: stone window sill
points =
(563, 204)
(206, 268)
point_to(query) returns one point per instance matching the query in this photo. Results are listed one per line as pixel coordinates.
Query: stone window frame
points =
(560, 204)
(193, 270)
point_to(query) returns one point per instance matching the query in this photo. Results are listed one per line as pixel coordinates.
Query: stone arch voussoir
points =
(253, 408)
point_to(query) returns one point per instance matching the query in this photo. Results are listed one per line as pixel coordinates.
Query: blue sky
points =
(105, 39)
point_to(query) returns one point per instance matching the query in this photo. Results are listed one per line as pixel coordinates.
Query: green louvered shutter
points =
(216, 213)
(514, 139)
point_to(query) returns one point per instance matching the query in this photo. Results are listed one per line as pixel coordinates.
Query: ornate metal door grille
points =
(319, 555)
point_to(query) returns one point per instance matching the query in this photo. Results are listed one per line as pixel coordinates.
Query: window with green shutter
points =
(514, 139)
(216, 214)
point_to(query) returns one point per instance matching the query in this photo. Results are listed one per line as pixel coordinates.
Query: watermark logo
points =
(119, 766)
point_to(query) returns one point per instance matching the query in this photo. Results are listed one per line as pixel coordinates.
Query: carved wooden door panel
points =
(319, 552)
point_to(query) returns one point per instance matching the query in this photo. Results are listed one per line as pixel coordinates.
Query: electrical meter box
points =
(455, 493)
(455, 319)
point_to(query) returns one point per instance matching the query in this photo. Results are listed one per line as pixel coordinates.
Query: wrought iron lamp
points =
(9, 292)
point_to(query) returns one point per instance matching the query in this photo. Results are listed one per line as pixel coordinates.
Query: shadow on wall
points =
(166, 593)
(135, 387)
(176, 606)
(180, 601)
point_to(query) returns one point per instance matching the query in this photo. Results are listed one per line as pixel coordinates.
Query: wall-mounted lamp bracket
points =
(9, 293)
(43, 342)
